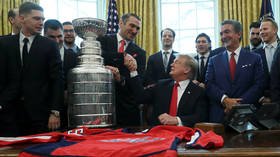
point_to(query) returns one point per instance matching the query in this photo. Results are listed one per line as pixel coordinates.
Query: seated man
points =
(176, 101)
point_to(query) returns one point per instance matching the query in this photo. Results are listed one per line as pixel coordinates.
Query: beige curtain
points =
(147, 10)
(5, 6)
(244, 11)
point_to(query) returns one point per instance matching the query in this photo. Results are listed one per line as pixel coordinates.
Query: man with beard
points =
(158, 66)
(53, 30)
(268, 34)
(255, 39)
(233, 76)
(69, 37)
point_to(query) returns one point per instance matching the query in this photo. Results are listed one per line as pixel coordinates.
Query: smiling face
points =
(229, 37)
(167, 39)
(69, 34)
(130, 29)
(202, 45)
(32, 23)
(268, 32)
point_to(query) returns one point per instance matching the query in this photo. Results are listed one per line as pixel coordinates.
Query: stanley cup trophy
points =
(91, 95)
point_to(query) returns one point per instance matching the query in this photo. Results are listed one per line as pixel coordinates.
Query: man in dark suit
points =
(158, 66)
(268, 34)
(234, 76)
(203, 48)
(53, 30)
(36, 64)
(254, 36)
(9, 85)
(275, 77)
(114, 48)
(176, 101)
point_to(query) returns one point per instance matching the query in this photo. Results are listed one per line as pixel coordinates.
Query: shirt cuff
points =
(224, 96)
(179, 121)
(133, 73)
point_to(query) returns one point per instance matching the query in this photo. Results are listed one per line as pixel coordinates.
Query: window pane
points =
(188, 18)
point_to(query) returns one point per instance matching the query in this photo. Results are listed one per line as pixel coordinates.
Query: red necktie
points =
(122, 44)
(173, 104)
(232, 65)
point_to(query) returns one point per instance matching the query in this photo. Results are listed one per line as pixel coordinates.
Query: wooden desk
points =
(255, 143)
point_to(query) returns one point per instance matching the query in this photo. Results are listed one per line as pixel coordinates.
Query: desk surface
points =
(255, 143)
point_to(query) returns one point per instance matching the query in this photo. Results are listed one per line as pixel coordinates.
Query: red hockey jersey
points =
(158, 141)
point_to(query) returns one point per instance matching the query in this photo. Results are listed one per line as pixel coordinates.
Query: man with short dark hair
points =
(203, 49)
(35, 62)
(53, 30)
(175, 101)
(233, 76)
(158, 66)
(69, 37)
(255, 39)
(114, 49)
(13, 17)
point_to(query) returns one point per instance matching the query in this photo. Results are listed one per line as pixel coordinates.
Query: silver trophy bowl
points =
(89, 27)
(91, 97)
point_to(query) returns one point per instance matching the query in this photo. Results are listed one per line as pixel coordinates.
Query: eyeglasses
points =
(68, 30)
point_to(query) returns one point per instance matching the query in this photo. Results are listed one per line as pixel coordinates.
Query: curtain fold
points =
(147, 10)
(5, 6)
(244, 11)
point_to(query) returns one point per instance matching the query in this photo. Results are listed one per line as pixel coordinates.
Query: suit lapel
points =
(186, 97)
(226, 64)
(171, 59)
(17, 49)
(241, 61)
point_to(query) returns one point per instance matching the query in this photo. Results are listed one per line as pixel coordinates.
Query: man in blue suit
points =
(233, 76)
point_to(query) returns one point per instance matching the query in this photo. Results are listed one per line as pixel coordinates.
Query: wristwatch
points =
(55, 113)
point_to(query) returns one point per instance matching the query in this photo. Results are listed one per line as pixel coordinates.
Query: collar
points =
(22, 36)
(206, 55)
(237, 51)
(119, 38)
(257, 47)
(170, 51)
(74, 47)
(183, 84)
(274, 44)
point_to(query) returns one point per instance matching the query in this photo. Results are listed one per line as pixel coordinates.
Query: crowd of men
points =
(180, 89)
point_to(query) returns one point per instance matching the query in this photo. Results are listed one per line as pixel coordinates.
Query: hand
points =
(115, 71)
(230, 102)
(130, 63)
(166, 119)
(54, 122)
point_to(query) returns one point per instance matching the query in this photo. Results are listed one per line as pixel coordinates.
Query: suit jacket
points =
(201, 78)
(126, 108)
(41, 79)
(267, 74)
(9, 86)
(155, 68)
(247, 83)
(192, 107)
(69, 62)
(275, 77)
